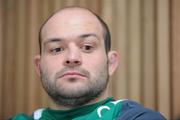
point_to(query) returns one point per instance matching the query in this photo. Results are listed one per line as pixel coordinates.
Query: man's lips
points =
(71, 74)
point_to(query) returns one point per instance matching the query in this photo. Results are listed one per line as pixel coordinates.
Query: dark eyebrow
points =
(88, 35)
(53, 40)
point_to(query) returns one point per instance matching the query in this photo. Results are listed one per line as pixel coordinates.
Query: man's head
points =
(75, 63)
(106, 32)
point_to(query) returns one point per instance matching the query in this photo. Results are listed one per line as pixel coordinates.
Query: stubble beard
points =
(95, 87)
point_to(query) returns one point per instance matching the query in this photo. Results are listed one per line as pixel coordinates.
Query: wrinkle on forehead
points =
(72, 12)
(70, 17)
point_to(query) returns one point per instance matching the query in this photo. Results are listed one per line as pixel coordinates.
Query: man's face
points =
(73, 63)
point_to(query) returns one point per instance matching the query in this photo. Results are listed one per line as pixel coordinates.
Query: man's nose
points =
(73, 57)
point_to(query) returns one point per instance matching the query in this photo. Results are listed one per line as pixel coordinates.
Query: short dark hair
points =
(106, 31)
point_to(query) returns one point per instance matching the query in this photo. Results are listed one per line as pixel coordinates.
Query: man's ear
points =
(113, 61)
(37, 59)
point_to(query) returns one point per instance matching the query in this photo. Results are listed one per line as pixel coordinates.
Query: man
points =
(75, 63)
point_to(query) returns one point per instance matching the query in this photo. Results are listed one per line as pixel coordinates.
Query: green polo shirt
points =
(104, 110)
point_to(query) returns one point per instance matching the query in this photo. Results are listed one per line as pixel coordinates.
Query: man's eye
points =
(56, 50)
(87, 48)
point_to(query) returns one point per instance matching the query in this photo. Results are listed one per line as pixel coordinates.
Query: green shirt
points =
(104, 110)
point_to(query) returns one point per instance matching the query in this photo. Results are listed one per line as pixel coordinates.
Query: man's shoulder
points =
(132, 110)
(128, 110)
(21, 116)
(35, 116)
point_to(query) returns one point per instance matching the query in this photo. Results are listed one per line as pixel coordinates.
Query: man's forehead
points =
(68, 18)
(72, 13)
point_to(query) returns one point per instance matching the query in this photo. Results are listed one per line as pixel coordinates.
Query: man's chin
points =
(74, 99)
(72, 89)
(73, 92)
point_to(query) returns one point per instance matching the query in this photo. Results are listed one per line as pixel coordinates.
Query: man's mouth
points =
(72, 74)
